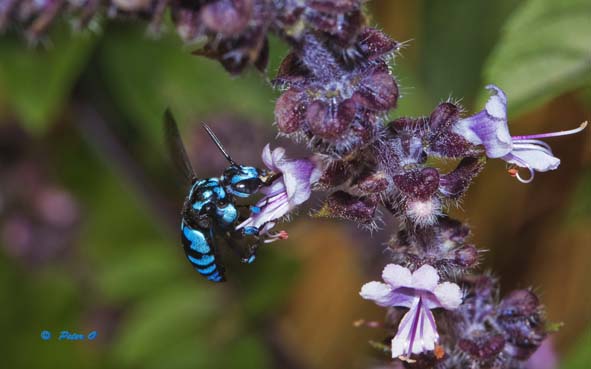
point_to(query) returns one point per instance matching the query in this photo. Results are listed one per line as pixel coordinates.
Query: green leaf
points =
(139, 272)
(457, 37)
(145, 76)
(267, 282)
(545, 51)
(245, 352)
(580, 356)
(37, 81)
(580, 208)
(179, 314)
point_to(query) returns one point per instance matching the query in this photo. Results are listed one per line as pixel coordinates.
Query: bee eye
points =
(248, 186)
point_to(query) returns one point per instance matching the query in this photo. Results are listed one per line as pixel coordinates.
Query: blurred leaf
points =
(37, 82)
(580, 208)
(580, 355)
(146, 76)
(33, 301)
(138, 273)
(246, 352)
(174, 315)
(414, 99)
(268, 281)
(545, 51)
(191, 352)
(117, 209)
(457, 38)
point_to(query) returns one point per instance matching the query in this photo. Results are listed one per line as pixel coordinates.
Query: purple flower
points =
(420, 292)
(489, 128)
(545, 357)
(292, 187)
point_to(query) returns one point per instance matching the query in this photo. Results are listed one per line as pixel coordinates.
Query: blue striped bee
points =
(210, 208)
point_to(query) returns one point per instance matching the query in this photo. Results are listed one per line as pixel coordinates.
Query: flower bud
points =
(482, 346)
(327, 120)
(290, 111)
(444, 115)
(341, 19)
(453, 230)
(455, 183)
(418, 184)
(466, 256)
(374, 44)
(344, 205)
(519, 315)
(227, 17)
(291, 71)
(519, 304)
(336, 173)
(375, 182)
(377, 91)
(442, 141)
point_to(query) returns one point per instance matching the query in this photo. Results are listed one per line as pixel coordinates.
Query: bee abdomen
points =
(198, 250)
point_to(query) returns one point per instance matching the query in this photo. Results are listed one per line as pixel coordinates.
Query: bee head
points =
(242, 180)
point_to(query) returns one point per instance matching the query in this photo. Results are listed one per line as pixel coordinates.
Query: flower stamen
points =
(553, 134)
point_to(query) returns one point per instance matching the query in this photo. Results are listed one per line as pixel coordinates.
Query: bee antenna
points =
(217, 142)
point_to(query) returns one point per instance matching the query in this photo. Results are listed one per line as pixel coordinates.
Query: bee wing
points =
(176, 149)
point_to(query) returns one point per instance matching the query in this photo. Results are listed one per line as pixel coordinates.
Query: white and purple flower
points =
(420, 292)
(292, 187)
(489, 128)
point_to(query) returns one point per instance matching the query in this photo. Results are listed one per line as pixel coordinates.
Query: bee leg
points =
(246, 255)
(249, 231)
(252, 208)
(262, 233)
(269, 179)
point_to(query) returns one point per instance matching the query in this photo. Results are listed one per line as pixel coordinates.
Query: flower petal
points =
(278, 154)
(397, 276)
(532, 156)
(496, 106)
(298, 176)
(379, 292)
(425, 278)
(275, 188)
(489, 126)
(401, 341)
(449, 295)
(417, 332)
(268, 158)
(274, 208)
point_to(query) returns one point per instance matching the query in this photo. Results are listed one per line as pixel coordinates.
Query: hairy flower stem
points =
(318, 59)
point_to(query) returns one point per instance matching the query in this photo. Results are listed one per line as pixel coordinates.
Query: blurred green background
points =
(89, 204)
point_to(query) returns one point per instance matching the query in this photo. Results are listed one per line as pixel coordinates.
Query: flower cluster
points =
(495, 333)
(336, 92)
(234, 32)
(332, 100)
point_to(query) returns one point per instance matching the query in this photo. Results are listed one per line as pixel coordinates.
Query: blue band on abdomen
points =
(207, 270)
(198, 242)
(216, 277)
(202, 261)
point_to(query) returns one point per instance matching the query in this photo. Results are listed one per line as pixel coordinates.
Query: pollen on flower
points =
(439, 352)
